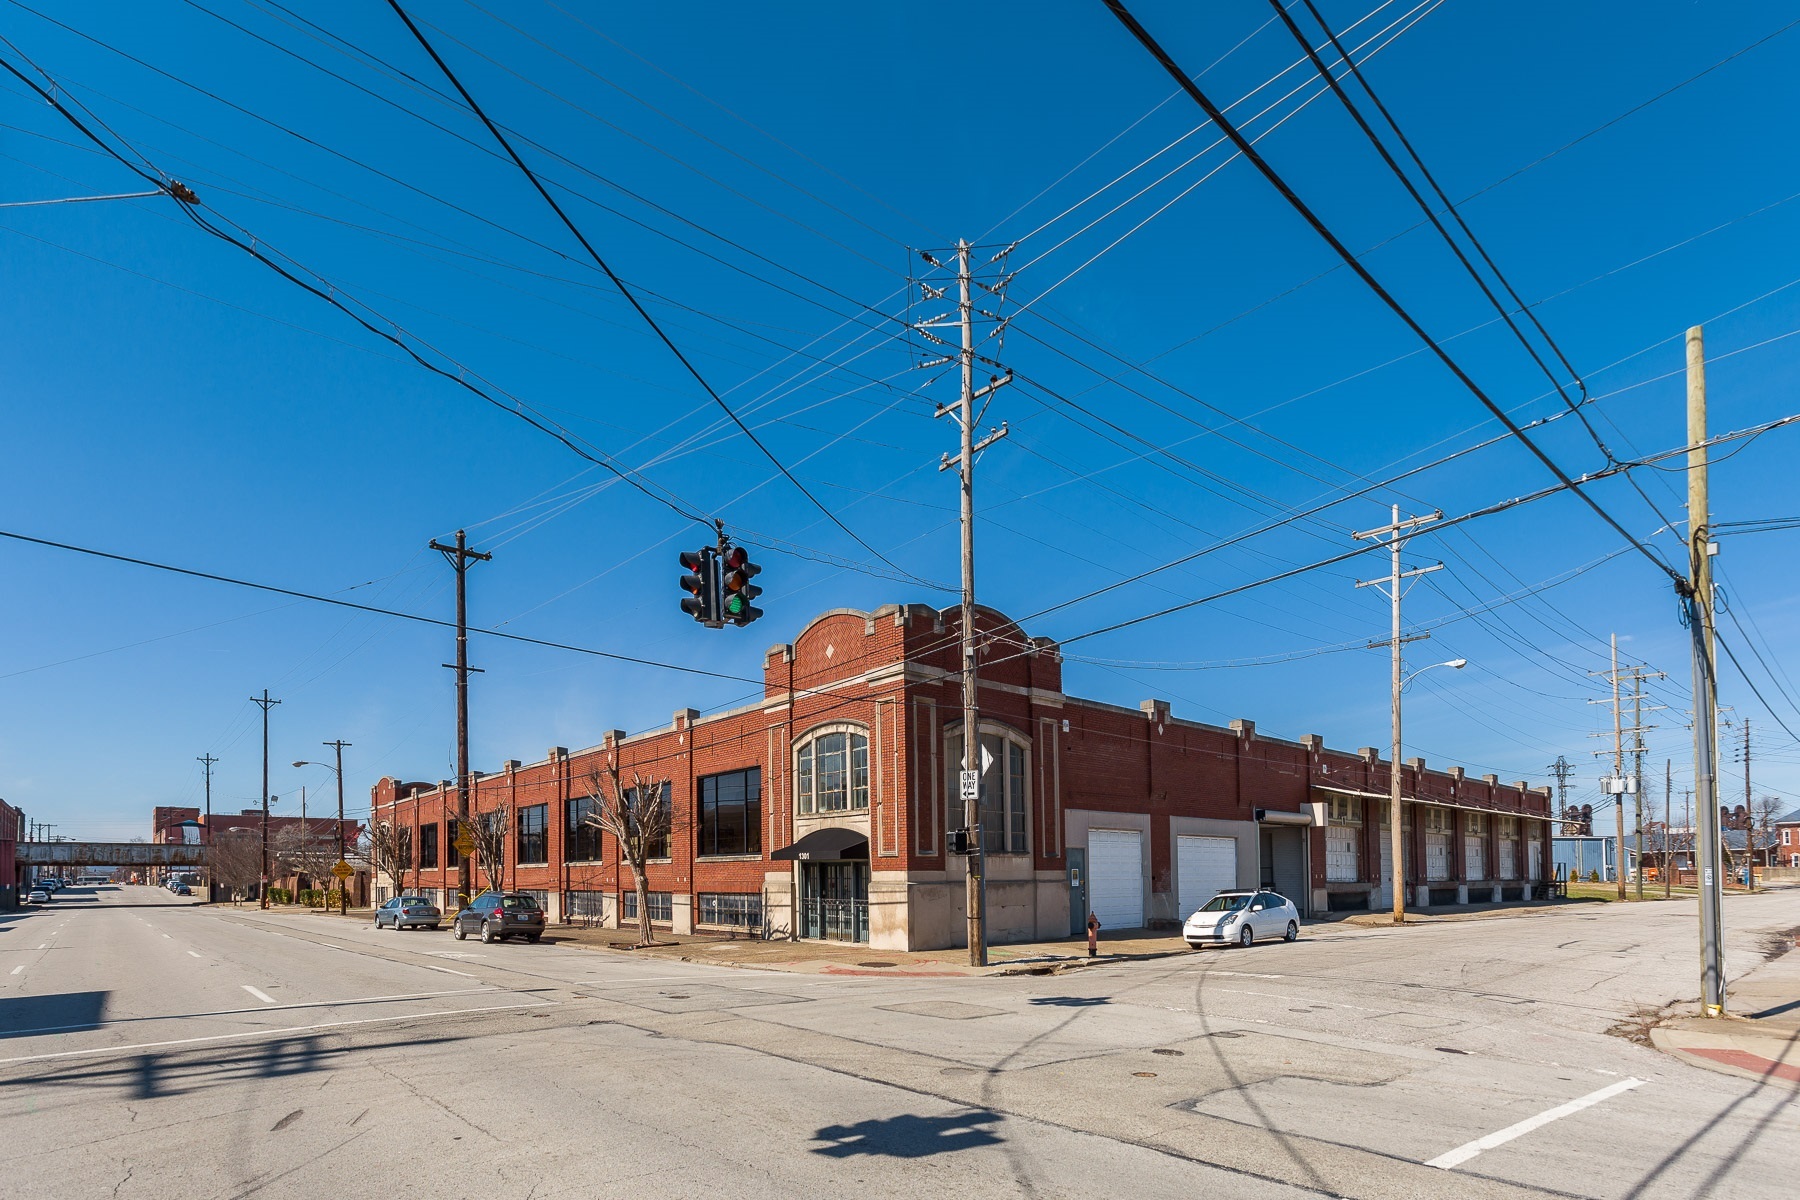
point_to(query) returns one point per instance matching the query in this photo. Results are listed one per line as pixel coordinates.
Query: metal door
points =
(1204, 866)
(1078, 892)
(1116, 877)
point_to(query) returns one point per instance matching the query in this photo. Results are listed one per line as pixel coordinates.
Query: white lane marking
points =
(263, 996)
(448, 971)
(193, 954)
(1463, 1153)
(18, 968)
(167, 936)
(1245, 975)
(44, 946)
(263, 1033)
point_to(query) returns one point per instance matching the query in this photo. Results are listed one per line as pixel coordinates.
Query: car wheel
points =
(378, 922)
(487, 934)
(1293, 932)
(1246, 935)
(457, 929)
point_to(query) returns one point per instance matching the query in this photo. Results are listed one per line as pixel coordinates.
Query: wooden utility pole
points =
(459, 557)
(1697, 596)
(1618, 771)
(207, 761)
(1395, 584)
(266, 704)
(1749, 817)
(969, 779)
(1668, 788)
(343, 881)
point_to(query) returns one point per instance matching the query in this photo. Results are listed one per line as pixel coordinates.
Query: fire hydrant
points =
(1093, 935)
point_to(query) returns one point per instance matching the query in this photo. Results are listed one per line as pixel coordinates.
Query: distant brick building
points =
(190, 826)
(822, 809)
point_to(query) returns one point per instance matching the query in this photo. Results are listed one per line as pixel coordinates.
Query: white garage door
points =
(1116, 877)
(1204, 866)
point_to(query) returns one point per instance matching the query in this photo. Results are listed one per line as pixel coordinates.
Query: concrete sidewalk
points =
(1758, 1038)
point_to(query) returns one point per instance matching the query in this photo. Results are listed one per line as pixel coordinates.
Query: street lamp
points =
(343, 880)
(1396, 855)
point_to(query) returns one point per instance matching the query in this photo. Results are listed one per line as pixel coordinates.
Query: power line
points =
(537, 184)
(1300, 206)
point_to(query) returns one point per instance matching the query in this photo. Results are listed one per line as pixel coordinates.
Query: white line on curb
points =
(263, 996)
(1463, 1153)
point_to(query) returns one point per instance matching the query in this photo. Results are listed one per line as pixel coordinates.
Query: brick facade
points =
(890, 677)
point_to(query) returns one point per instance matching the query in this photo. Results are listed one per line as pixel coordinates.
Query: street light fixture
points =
(343, 880)
(1396, 850)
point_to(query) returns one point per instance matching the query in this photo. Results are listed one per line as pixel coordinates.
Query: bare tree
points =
(489, 832)
(390, 851)
(639, 818)
(235, 859)
(311, 852)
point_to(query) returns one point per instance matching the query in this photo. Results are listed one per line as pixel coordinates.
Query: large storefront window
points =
(1004, 794)
(731, 813)
(582, 836)
(534, 829)
(832, 773)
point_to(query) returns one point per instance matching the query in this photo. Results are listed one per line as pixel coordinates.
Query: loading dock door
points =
(1116, 877)
(1204, 866)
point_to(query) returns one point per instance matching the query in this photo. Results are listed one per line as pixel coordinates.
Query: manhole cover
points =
(874, 964)
(1170, 1053)
(1144, 1074)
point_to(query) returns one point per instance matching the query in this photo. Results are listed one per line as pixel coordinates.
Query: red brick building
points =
(188, 825)
(822, 809)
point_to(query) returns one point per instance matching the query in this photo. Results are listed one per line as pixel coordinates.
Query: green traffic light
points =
(735, 605)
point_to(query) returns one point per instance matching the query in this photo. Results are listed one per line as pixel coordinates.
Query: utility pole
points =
(207, 760)
(1619, 785)
(342, 880)
(459, 557)
(1668, 788)
(1395, 585)
(964, 462)
(1749, 816)
(266, 704)
(1697, 597)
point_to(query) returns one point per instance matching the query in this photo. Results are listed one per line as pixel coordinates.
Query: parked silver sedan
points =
(1242, 917)
(409, 912)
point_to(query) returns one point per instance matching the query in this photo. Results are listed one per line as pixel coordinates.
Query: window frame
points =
(428, 846)
(857, 797)
(1014, 832)
(577, 833)
(666, 843)
(707, 808)
(530, 839)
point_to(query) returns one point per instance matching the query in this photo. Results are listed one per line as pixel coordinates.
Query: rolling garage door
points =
(1204, 866)
(1116, 877)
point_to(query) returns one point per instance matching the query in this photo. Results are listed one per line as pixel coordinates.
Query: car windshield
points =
(1225, 903)
(522, 902)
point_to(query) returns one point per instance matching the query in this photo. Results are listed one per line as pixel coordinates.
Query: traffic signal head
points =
(736, 588)
(702, 567)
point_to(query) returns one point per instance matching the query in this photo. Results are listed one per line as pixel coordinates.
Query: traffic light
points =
(737, 590)
(961, 842)
(701, 585)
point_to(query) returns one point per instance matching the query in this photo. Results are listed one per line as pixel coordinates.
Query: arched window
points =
(831, 773)
(1005, 791)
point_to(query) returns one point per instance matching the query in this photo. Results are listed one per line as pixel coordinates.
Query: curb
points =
(1733, 1059)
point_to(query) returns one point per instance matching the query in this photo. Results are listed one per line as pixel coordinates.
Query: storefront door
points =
(834, 901)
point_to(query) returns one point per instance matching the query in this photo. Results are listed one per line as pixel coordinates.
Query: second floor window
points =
(452, 831)
(428, 846)
(731, 812)
(659, 845)
(534, 841)
(1003, 792)
(582, 837)
(833, 773)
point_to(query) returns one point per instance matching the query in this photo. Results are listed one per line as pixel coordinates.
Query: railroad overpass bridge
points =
(109, 854)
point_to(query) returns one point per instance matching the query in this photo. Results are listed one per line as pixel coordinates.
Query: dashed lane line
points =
(448, 971)
(1468, 1150)
(18, 968)
(193, 954)
(260, 995)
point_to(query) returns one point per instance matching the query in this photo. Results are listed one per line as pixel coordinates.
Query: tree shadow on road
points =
(909, 1135)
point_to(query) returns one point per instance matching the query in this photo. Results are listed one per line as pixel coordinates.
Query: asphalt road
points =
(152, 1048)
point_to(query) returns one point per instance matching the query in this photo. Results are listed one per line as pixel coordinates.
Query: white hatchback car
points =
(1242, 917)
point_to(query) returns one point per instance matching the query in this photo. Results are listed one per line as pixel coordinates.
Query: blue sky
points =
(1191, 365)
